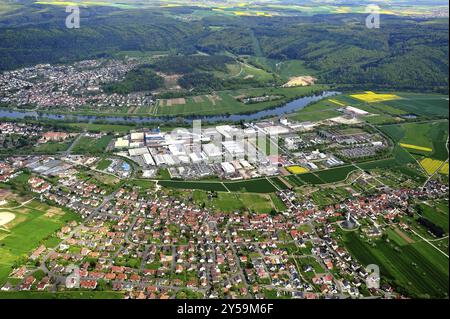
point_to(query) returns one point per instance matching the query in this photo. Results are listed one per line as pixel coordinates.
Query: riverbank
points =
(286, 108)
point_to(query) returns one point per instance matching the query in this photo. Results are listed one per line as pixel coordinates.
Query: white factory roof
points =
(224, 130)
(356, 110)
(233, 147)
(169, 159)
(136, 144)
(196, 157)
(212, 150)
(228, 168)
(137, 136)
(177, 149)
(159, 159)
(276, 130)
(184, 159)
(121, 143)
(148, 159)
(245, 164)
(312, 165)
(138, 151)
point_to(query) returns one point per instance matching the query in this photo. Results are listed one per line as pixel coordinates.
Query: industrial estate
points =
(238, 164)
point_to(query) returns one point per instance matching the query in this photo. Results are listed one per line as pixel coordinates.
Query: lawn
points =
(230, 202)
(91, 145)
(52, 147)
(103, 164)
(30, 228)
(318, 111)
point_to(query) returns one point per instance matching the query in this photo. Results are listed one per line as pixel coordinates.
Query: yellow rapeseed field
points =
(371, 97)
(444, 169)
(297, 169)
(415, 147)
(431, 165)
(336, 102)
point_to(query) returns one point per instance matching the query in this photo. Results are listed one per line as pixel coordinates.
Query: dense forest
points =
(405, 53)
(142, 78)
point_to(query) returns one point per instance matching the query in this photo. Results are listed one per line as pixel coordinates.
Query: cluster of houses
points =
(72, 86)
(150, 244)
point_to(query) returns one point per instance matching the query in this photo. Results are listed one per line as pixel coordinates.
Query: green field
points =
(438, 213)
(318, 111)
(231, 202)
(225, 102)
(261, 185)
(278, 182)
(251, 186)
(30, 228)
(207, 186)
(103, 164)
(102, 128)
(416, 268)
(422, 104)
(52, 147)
(91, 145)
(310, 178)
(431, 135)
(335, 174)
(293, 68)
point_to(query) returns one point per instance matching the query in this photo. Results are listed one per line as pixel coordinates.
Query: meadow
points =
(35, 222)
(91, 145)
(231, 202)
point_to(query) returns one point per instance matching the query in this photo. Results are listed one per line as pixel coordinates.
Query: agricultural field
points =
(430, 165)
(207, 186)
(415, 267)
(251, 186)
(371, 97)
(390, 107)
(428, 139)
(310, 178)
(91, 145)
(225, 102)
(297, 169)
(261, 185)
(33, 224)
(436, 212)
(335, 174)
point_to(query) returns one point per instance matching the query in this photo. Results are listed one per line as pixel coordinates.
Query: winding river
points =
(289, 107)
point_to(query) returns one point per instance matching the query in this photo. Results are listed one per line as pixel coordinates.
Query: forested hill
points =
(405, 53)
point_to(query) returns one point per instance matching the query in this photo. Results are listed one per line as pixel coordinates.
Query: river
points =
(287, 108)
